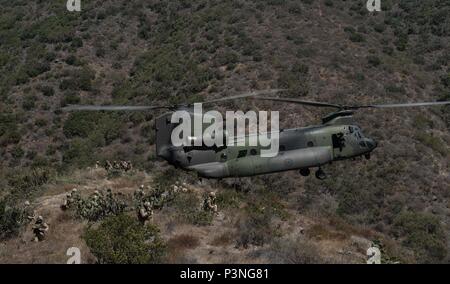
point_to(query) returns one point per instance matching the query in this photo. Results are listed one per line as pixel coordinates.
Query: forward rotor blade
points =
(405, 105)
(110, 108)
(144, 108)
(300, 102)
(245, 95)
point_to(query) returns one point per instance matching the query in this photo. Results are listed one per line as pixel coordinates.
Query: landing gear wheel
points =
(320, 174)
(305, 172)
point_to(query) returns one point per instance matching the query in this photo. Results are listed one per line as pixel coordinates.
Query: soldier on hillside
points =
(108, 165)
(139, 194)
(145, 212)
(28, 212)
(209, 203)
(125, 166)
(71, 198)
(116, 165)
(67, 201)
(39, 229)
(76, 197)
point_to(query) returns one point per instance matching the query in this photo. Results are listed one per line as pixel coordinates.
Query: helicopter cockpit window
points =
(338, 140)
(358, 134)
(242, 154)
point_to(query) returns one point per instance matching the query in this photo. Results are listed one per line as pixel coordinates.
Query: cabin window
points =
(242, 153)
(310, 144)
(338, 140)
(253, 152)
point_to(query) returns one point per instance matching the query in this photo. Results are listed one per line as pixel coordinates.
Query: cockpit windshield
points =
(357, 132)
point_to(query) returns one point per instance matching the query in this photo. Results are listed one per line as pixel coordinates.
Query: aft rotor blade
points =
(245, 95)
(300, 102)
(404, 105)
(110, 108)
(354, 107)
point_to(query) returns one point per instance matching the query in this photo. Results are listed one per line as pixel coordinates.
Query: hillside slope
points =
(154, 52)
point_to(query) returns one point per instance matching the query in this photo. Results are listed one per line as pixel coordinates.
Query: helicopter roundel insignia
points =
(289, 162)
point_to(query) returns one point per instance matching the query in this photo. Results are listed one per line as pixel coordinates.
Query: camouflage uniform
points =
(76, 197)
(67, 201)
(108, 165)
(116, 165)
(145, 212)
(209, 203)
(139, 195)
(28, 213)
(129, 166)
(39, 229)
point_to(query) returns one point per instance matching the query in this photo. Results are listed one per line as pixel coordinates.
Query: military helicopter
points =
(337, 138)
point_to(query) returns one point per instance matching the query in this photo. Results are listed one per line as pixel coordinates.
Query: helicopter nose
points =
(371, 143)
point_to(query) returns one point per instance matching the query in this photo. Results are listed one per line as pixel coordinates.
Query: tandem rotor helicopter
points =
(337, 138)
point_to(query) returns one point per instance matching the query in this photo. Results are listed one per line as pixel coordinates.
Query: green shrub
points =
(296, 79)
(34, 68)
(379, 27)
(28, 181)
(255, 227)
(29, 102)
(329, 3)
(17, 152)
(11, 220)
(80, 79)
(123, 240)
(433, 142)
(401, 42)
(73, 60)
(423, 233)
(47, 91)
(52, 29)
(356, 37)
(373, 60)
(229, 198)
(9, 132)
(80, 124)
(422, 122)
(445, 80)
(190, 211)
(95, 125)
(79, 152)
(77, 42)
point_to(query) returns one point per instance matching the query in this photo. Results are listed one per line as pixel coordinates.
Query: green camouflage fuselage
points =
(299, 148)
